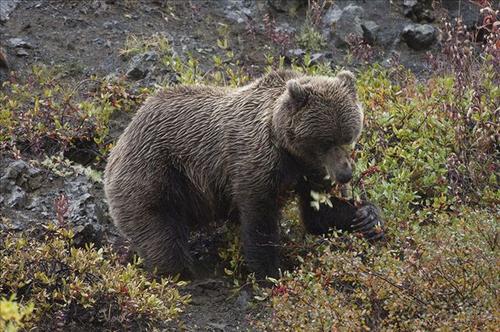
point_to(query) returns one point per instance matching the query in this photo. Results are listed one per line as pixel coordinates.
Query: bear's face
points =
(339, 164)
(316, 118)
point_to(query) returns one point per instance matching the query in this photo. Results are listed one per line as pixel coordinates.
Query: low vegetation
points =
(61, 286)
(428, 157)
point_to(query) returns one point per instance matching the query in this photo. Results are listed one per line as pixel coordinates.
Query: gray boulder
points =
(18, 178)
(285, 6)
(419, 36)
(19, 43)
(349, 23)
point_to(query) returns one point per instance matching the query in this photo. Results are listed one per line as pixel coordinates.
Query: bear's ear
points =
(298, 92)
(348, 80)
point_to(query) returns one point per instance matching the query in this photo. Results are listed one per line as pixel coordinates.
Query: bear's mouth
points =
(339, 164)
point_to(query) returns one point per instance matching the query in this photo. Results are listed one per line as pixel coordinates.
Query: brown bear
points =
(197, 154)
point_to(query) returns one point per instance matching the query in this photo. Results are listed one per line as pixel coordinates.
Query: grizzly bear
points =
(197, 154)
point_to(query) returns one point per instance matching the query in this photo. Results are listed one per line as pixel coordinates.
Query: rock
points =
(243, 300)
(331, 16)
(18, 179)
(140, 65)
(6, 185)
(419, 36)
(87, 233)
(348, 23)
(296, 53)
(19, 43)
(15, 168)
(112, 25)
(151, 56)
(286, 6)
(353, 11)
(18, 198)
(370, 30)
(317, 57)
(6, 7)
(22, 52)
(418, 10)
(469, 12)
(83, 207)
(240, 11)
(24, 175)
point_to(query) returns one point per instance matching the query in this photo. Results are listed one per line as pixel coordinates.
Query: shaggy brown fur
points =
(195, 154)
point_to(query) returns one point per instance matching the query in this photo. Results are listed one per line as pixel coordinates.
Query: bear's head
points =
(317, 119)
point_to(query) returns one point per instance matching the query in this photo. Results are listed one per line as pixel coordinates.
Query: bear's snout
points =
(343, 177)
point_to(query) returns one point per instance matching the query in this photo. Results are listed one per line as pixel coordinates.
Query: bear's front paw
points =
(368, 222)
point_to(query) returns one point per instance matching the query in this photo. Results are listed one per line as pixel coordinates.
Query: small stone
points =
(22, 52)
(286, 6)
(243, 300)
(141, 64)
(409, 6)
(419, 36)
(296, 52)
(108, 24)
(151, 56)
(19, 43)
(99, 41)
(17, 198)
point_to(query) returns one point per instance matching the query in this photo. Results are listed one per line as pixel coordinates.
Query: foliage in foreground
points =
(12, 314)
(60, 286)
(440, 277)
(429, 158)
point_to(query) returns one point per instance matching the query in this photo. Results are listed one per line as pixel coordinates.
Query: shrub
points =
(433, 278)
(429, 158)
(83, 287)
(39, 114)
(12, 314)
(310, 38)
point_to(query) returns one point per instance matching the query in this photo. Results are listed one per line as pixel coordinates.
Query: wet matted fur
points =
(195, 154)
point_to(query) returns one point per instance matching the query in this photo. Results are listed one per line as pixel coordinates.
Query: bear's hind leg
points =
(163, 243)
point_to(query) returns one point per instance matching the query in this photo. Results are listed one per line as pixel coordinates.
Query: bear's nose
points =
(343, 177)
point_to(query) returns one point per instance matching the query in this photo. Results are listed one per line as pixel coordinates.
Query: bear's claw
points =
(368, 222)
